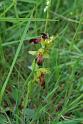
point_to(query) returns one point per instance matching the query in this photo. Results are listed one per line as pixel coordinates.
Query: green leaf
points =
(29, 115)
(28, 1)
(34, 66)
(3, 119)
(32, 52)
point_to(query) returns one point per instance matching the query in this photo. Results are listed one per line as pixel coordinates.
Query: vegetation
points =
(22, 100)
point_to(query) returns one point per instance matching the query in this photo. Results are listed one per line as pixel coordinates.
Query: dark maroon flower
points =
(39, 39)
(35, 40)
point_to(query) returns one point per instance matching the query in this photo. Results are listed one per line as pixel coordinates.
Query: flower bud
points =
(42, 80)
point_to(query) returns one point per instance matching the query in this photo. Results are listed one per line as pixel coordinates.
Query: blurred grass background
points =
(61, 102)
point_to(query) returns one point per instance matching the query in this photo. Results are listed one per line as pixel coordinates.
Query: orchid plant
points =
(39, 72)
(40, 55)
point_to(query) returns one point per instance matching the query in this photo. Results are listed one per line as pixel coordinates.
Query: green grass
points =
(61, 102)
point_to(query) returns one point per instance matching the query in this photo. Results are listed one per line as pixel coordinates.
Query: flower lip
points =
(39, 58)
(35, 40)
